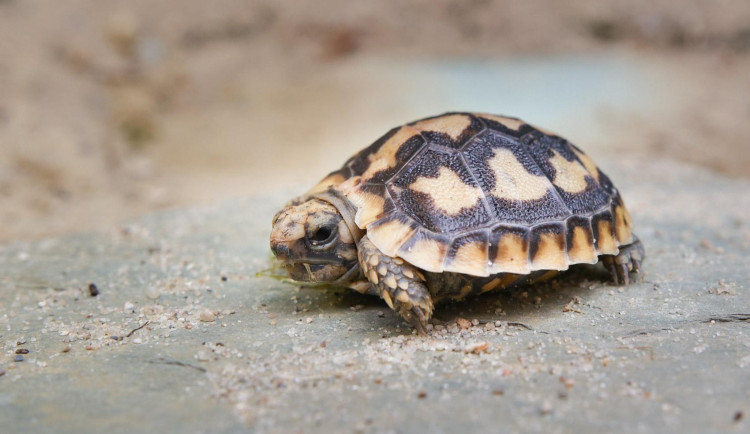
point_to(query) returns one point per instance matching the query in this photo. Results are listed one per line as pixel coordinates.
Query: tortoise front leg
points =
(399, 284)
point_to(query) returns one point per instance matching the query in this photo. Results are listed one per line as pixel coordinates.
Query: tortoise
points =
(455, 205)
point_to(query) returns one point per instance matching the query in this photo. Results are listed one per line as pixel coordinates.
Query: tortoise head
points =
(312, 240)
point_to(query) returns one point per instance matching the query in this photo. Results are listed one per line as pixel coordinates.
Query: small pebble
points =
(207, 316)
(22, 351)
(2, 371)
(476, 348)
(546, 408)
(66, 349)
(203, 356)
(21, 342)
(18, 358)
(463, 323)
(93, 290)
(152, 293)
(737, 416)
(422, 394)
(568, 382)
(224, 278)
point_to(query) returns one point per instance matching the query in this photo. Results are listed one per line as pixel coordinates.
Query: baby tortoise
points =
(455, 205)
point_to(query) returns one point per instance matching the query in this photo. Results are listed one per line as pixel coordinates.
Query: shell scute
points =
(580, 241)
(518, 190)
(438, 191)
(605, 240)
(426, 248)
(622, 224)
(391, 233)
(569, 171)
(450, 130)
(509, 250)
(382, 163)
(470, 252)
(372, 203)
(547, 247)
(507, 125)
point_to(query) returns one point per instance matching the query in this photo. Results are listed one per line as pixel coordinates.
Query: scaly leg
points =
(399, 284)
(629, 259)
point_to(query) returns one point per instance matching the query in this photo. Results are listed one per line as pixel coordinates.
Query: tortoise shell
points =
(481, 194)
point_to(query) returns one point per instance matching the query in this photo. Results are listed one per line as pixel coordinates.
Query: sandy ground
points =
(182, 336)
(112, 110)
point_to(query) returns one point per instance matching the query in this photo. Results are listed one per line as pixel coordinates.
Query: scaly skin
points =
(399, 284)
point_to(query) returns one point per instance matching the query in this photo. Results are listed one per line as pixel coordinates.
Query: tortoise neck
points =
(344, 207)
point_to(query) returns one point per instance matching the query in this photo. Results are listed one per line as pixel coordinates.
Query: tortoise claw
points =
(418, 320)
(609, 264)
(623, 272)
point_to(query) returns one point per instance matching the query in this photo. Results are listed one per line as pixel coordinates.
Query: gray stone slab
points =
(221, 350)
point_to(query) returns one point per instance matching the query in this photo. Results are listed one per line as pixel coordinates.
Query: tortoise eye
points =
(323, 235)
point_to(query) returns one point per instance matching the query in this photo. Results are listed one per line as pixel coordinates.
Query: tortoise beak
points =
(299, 271)
(281, 251)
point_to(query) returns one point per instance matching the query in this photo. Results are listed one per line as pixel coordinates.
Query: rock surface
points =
(183, 337)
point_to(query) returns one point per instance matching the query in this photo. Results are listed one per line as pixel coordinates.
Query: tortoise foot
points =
(398, 283)
(627, 261)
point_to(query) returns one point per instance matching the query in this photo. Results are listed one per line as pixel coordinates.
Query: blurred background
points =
(113, 109)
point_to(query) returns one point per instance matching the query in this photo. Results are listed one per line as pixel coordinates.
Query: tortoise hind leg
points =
(628, 260)
(399, 284)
